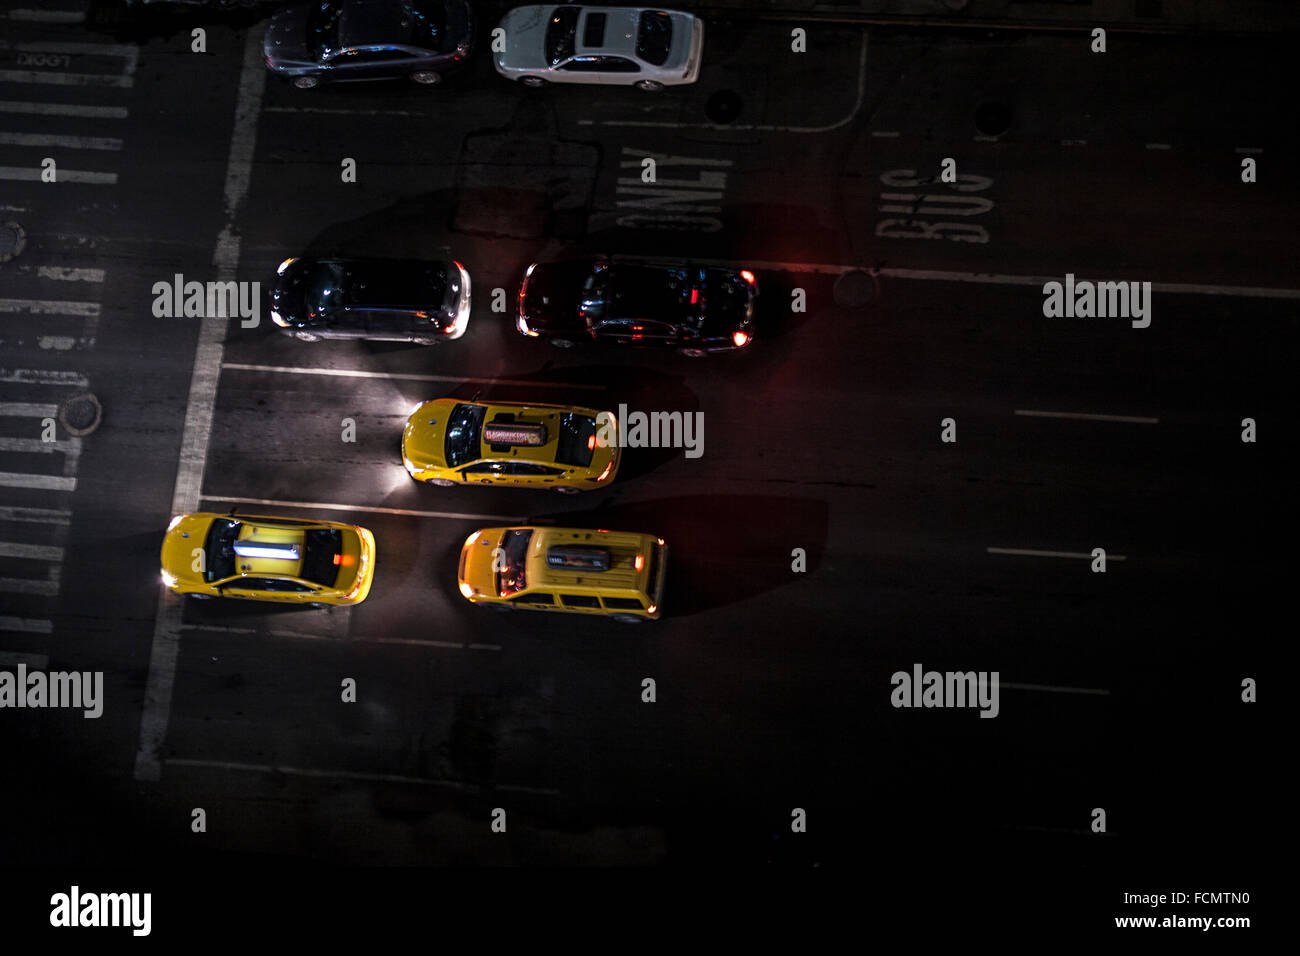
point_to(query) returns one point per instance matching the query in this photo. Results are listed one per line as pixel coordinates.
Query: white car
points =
(645, 48)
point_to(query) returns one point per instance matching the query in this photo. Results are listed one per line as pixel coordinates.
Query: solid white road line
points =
(36, 515)
(1157, 146)
(30, 586)
(34, 662)
(30, 552)
(54, 139)
(331, 506)
(65, 79)
(1027, 552)
(41, 376)
(46, 16)
(129, 53)
(27, 624)
(1048, 689)
(198, 410)
(32, 174)
(1248, 149)
(884, 134)
(9, 479)
(348, 775)
(399, 376)
(27, 410)
(69, 446)
(66, 274)
(64, 109)
(1087, 416)
(50, 307)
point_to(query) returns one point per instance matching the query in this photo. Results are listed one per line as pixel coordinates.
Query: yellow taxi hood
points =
(178, 557)
(476, 560)
(425, 443)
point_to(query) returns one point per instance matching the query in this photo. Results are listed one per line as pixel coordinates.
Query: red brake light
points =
(740, 338)
(338, 559)
(640, 561)
(748, 276)
(695, 296)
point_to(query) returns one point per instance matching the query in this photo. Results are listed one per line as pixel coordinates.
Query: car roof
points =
(548, 415)
(619, 34)
(375, 23)
(623, 547)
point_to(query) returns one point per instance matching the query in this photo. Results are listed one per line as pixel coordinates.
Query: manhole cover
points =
(723, 106)
(993, 119)
(80, 414)
(855, 289)
(13, 239)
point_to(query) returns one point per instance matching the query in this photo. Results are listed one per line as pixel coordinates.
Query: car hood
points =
(525, 29)
(551, 295)
(424, 443)
(286, 38)
(477, 570)
(178, 546)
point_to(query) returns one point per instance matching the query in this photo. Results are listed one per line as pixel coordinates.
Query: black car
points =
(342, 40)
(694, 309)
(394, 300)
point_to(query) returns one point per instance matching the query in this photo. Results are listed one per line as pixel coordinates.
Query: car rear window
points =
(577, 440)
(511, 573)
(593, 31)
(320, 564)
(561, 33)
(654, 38)
(623, 604)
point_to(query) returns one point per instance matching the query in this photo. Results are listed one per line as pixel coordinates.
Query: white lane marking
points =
(129, 53)
(50, 307)
(30, 552)
(9, 479)
(862, 87)
(36, 515)
(64, 109)
(358, 373)
(1049, 689)
(884, 134)
(165, 646)
(34, 662)
(30, 586)
(1074, 142)
(54, 139)
(41, 376)
(59, 343)
(301, 635)
(1158, 146)
(47, 16)
(1087, 416)
(31, 174)
(68, 274)
(34, 446)
(422, 643)
(65, 79)
(347, 775)
(26, 624)
(1027, 552)
(319, 109)
(27, 410)
(1249, 149)
(331, 506)
(981, 138)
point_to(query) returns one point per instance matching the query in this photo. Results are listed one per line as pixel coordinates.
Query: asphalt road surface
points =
(1120, 690)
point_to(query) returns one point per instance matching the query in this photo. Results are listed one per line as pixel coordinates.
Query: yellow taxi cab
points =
(615, 574)
(287, 560)
(449, 442)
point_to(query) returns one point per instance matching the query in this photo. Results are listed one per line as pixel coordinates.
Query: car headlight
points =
(174, 522)
(280, 270)
(410, 465)
(169, 579)
(278, 319)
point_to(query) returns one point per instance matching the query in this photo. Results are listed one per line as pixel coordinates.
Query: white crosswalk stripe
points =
(36, 476)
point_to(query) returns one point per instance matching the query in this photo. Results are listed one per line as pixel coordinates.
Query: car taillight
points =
(608, 468)
(748, 276)
(640, 562)
(740, 338)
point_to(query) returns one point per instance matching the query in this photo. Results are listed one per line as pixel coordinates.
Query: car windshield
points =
(654, 37)
(324, 288)
(514, 554)
(429, 29)
(577, 440)
(464, 431)
(592, 305)
(561, 34)
(219, 549)
(323, 26)
(320, 564)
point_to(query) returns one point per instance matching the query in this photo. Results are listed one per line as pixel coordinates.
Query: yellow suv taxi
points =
(616, 574)
(287, 560)
(449, 442)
